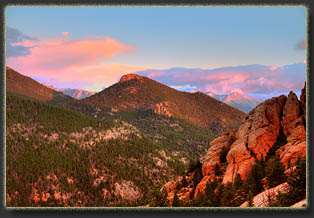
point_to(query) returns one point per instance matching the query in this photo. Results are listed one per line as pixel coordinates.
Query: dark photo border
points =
(151, 212)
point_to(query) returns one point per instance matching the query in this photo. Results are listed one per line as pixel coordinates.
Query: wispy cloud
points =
(13, 37)
(187, 87)
(65, 33)
(301, 45)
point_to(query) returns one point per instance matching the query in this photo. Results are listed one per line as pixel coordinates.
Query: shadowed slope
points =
(26, 86)
(135, 92)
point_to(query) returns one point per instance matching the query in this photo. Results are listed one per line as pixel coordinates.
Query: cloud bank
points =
(254, 80)
(83, 63)
(66, 61)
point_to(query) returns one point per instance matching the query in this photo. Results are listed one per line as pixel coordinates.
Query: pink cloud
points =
(154, 74)
(62, 58)
(245, 79)
(65, 33)
(273, 68)
(103, 75)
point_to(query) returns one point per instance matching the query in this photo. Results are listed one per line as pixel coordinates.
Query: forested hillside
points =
(58, 157)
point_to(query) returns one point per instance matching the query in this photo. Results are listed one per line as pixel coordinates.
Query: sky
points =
(188, 48)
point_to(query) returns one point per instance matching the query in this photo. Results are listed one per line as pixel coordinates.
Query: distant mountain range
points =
(237, 100)
(74, 93)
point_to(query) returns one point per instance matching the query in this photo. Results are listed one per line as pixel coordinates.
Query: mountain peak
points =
(130, 76)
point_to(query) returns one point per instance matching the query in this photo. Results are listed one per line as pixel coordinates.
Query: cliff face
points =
(276, 126)
(277, 120)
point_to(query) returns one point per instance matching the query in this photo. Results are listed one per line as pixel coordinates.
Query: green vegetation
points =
(275, 172)
(59, 157)
(181, 139)
(264, 175)
(297, 191)
(157, 197)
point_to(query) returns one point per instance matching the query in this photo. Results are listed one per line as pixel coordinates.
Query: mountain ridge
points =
(26, 86)
(237, 100)
(135, 92)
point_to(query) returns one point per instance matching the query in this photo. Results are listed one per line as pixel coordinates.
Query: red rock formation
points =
(200, 188)
(263, 127)
(260, 130)
(303, 99)
(162, 108)
(291, 111)
(128, 77)
(256, 135)
(216, 146)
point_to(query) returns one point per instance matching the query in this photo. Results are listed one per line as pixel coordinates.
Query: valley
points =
(141, 143)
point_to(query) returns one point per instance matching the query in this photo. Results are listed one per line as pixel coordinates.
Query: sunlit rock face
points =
(259, 131)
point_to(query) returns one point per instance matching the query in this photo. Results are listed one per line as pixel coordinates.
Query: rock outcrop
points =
(303, 99)
(300, 204)
(213, 153)
(278, 122)
(291, 112)
(162, 108)
(128, 77)
(256, 135)
(272, 120)
(263, 198)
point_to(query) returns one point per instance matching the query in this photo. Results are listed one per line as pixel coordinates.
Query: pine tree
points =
(249, 199)
(254, 179)
(217, 170)
(275, 172)
(158, 197)
(227, 195)
(184, 182)
(217, 197)
(176, 201)
(237, 182)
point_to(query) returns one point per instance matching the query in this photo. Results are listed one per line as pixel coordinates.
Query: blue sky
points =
(166, 37)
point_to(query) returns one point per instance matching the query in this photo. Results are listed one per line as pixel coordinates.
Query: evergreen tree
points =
(237, 182)
(297, 191)
(254, 179)
(275, 172)
(218, 196)
(240, 196)
(184, 182)
(227, 195)
(217, 170)
(249, 199)
(197, 177)
(210, 191)
(176, 201)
